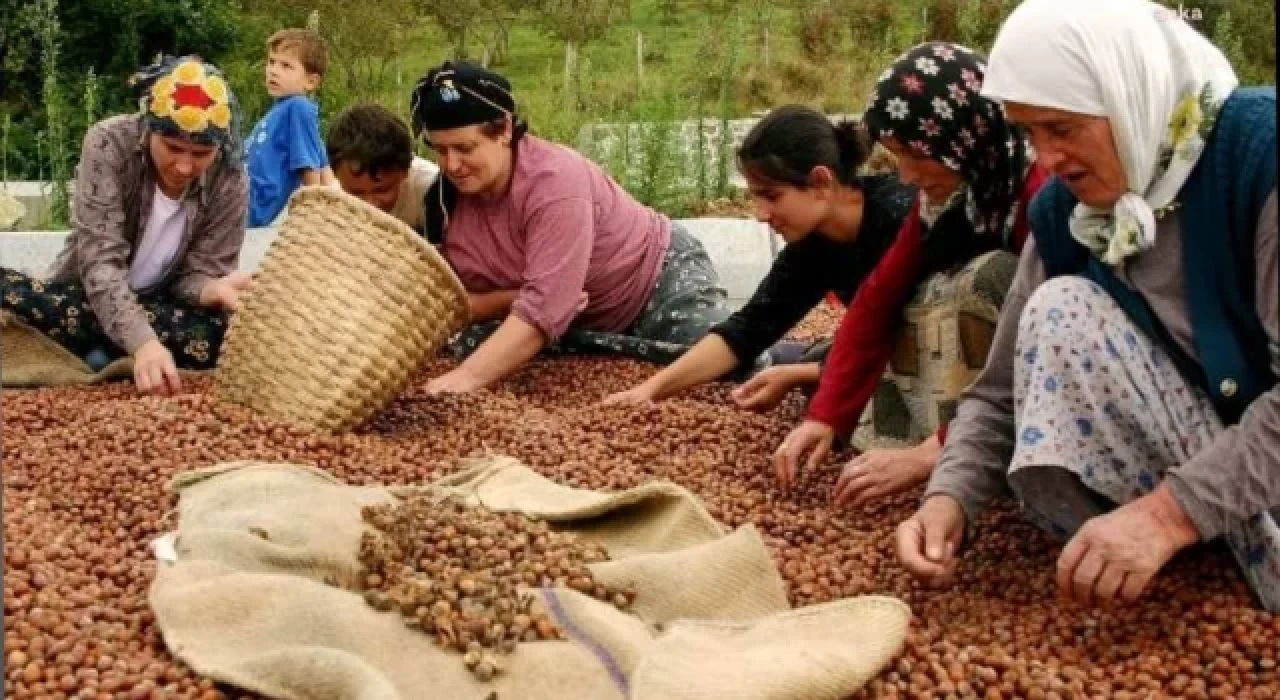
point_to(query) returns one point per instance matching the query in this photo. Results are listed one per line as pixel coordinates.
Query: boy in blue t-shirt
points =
(284, 151)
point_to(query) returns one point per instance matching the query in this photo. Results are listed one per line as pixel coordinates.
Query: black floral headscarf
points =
(449, 96)
(929, 101)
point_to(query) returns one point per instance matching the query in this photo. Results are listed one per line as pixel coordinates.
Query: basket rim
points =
(336, 194)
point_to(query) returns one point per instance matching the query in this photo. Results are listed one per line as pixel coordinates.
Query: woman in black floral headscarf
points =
(975, 175)
(968, 161)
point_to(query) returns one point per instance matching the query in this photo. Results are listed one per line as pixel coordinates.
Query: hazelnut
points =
(85, 470)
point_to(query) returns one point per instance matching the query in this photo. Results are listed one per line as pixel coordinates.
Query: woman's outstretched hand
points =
(812, 439)
(154, 371)
(225, 292)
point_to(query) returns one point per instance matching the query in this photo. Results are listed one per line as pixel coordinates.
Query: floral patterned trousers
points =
(1094, 396)
(61, 311)
(686, 302)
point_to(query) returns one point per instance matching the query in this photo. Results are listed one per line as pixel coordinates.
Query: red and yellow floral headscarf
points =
(189, 98)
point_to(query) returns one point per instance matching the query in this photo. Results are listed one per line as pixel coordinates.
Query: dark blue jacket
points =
(1220, 205)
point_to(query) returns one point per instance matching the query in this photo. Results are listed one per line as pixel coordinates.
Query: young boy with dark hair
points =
(372, 157)
(284, 151)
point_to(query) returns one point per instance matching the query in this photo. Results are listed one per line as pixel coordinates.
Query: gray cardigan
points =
(1236, 477)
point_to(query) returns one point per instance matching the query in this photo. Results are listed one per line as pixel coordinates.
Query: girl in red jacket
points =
(976, 175)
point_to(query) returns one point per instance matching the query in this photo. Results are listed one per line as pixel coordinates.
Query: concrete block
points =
(256, 242)
(30, 251)
(36, 198)
(741, 249)
(33, 252)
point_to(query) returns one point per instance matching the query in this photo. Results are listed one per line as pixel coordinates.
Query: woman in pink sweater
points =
(551, 250)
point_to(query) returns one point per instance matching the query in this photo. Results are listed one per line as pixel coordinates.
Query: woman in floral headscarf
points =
(158, 218)
(1130, 400)
(976, 175)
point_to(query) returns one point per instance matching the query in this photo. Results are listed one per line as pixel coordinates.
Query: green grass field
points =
(691, 55)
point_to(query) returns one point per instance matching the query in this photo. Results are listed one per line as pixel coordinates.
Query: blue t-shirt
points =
(285, 142)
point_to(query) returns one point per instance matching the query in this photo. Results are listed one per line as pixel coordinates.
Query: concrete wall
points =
(36, 198)
(742, 250)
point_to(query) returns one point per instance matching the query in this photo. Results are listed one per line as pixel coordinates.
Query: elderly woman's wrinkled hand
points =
(225, 292)
(878, 474)
(1116, 555)
(929, 542)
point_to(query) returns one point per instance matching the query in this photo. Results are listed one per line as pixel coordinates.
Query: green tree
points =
(364, 47)
(1228, 40)
(978, 21)
(1255, 20)
(944, 18)
(817, 25)
(497, 17)
(870, 22)
(577, 22)
(456, 18)
(56, 113)
(137, 31)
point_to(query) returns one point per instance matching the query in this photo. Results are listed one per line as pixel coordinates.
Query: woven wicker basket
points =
(348, 303)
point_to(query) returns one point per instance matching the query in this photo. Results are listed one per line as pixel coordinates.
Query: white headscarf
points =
(1135, 62)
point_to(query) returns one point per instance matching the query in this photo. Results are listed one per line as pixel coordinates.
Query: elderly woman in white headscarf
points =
(1130, 400)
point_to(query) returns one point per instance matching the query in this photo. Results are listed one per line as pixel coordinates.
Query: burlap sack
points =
(30, 359)
(710, 619)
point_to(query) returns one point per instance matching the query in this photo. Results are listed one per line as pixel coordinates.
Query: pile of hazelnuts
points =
(86, 470)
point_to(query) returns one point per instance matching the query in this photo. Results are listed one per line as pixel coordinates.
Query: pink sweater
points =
(564, 226)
